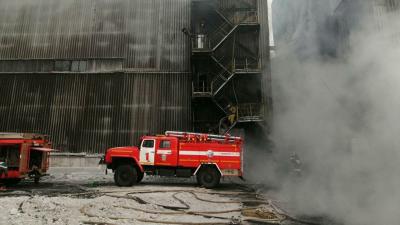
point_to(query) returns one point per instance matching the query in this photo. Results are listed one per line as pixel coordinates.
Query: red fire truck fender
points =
(138, 165)
(135, 160)
(123, 152)
(204, 164)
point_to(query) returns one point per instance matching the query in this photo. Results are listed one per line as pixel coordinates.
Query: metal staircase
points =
(222, 36)
(222, 78)
(226, 65)
(230, 23)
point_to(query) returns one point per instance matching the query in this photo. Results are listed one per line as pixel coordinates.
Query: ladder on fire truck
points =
(202, 136)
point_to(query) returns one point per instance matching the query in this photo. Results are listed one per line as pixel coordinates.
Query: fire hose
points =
(276, 215)
(253, 214)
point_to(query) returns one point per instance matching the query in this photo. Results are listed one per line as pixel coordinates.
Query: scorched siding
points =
(146, 33)
(93, 112)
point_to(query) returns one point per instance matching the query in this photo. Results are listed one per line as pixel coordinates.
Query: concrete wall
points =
(74, 160)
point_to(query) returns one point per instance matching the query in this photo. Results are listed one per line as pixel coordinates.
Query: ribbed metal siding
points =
(146, 32)
(265, 57)
(157, 40)
(93, 112)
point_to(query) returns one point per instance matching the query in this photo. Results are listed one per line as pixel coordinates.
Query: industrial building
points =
(373, 17)
(100, 73)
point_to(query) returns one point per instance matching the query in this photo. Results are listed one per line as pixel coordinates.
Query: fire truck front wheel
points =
(125, 175)
(208, 177)
(140, 177)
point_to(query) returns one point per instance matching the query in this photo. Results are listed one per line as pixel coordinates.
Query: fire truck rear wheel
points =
(125, 175)
(208, 177)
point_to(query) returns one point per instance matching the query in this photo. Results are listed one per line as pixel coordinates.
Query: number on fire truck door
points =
(147, 152)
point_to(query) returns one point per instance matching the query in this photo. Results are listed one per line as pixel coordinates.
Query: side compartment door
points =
(147, 152)
(166, 153)
(24, 158)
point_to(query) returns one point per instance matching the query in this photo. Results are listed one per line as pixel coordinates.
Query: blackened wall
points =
(87, 112)
(135, 78)
(264, 50)
(147, 33)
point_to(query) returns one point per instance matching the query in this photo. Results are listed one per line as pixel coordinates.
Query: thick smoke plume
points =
(341, 116)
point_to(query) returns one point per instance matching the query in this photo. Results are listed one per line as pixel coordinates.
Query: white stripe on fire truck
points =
(204, 153)
(164, 152)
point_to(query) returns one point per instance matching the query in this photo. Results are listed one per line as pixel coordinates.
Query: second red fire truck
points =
(178, 154)
(23, 155)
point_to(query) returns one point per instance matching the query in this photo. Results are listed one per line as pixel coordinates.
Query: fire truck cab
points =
(23, 155)
(178, 154)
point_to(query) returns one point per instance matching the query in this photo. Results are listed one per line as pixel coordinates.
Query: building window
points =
(165, 144)
(63, 65)
(78, 66)
(68, 65)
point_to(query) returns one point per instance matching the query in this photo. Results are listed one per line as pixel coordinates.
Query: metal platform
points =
(202, 95)
(247, 119)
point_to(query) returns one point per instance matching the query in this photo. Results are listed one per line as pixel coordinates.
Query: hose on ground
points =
(288, 217)
(97, 223)
(88, 214)
(185, 208)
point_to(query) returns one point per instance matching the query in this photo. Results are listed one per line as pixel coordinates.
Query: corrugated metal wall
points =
(265, 59)
(92, 112)
(147, 33)
(113, 105)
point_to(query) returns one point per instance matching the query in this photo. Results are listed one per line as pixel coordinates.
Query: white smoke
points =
(342, 117)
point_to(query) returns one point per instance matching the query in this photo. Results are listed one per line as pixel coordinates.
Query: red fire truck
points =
(178, 154)
(23, 155)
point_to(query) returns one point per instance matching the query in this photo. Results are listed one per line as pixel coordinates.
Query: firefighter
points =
(232, 110)
(296, 164)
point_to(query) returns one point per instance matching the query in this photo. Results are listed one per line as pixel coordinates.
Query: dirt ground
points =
(89, 196)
